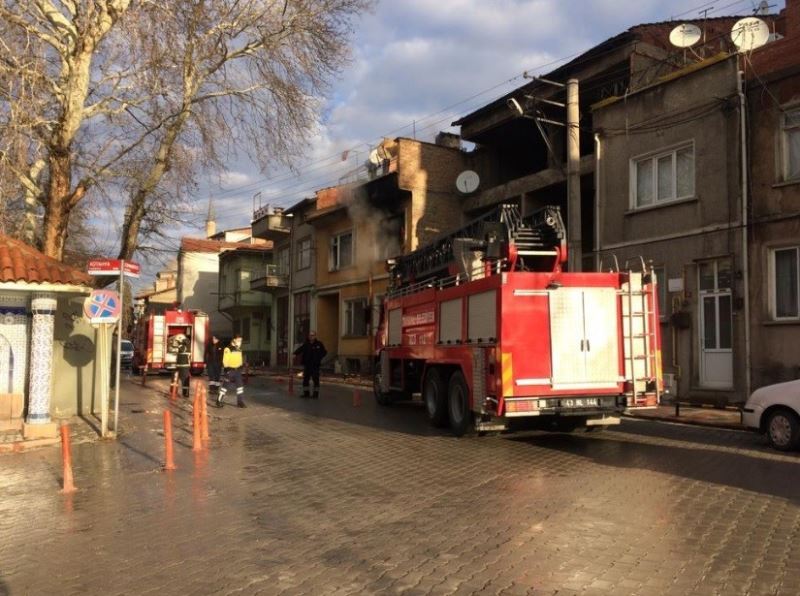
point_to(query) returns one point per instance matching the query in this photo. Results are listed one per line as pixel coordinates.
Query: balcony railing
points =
(274, 279)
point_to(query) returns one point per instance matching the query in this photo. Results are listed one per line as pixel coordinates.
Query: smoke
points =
(379, 231)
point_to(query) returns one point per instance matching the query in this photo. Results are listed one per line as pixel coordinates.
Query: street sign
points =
(113, 267)
(102, 306)
(131, 269)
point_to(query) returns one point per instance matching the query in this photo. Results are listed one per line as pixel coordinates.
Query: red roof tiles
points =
(202, 245)
(20, 262)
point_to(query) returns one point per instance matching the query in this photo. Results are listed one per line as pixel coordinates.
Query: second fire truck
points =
(495, 335)
(158, 338)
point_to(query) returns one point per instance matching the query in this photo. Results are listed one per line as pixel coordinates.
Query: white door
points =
(716, 324)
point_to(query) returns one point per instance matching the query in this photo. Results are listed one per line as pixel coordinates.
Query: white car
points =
(775, 410)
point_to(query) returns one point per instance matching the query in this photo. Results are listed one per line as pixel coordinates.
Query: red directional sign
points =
(113, 267)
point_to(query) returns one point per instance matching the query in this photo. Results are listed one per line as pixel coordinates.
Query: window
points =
(302, 316)
(283, 261)
(246, 330)
(237, 327)
(304, 253)
(341, 254)
(790, 134)
(663, 177)
(377, 307)
(355, 317)
(785, 280)
(243, 281)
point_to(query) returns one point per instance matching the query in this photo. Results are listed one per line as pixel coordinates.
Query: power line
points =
(289, 183)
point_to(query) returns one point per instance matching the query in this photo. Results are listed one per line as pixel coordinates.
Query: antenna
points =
(749, 33)
(762, 8)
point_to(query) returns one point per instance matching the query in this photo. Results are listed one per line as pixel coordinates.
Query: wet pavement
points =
(320, 497)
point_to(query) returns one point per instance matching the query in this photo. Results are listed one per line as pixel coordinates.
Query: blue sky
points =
(415, 65)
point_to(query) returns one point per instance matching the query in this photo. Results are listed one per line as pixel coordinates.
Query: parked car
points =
(126, 353)
(775, 410)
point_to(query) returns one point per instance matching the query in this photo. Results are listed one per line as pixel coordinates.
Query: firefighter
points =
(232, 362)
(213, 358)
(182, 362)
(311, 354)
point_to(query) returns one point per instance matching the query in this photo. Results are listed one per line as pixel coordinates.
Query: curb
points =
(689, 421)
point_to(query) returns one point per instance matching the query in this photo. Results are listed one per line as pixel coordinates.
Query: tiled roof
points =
(20, 262)
(202, 245)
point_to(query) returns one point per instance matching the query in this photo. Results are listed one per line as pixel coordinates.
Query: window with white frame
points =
(341, 251)
(790, 133)
(785, 281)
(304, 253)
(355, 317)
(662, 177)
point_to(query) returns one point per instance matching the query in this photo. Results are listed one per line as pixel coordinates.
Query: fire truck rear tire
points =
(435, 396)
(461, 420)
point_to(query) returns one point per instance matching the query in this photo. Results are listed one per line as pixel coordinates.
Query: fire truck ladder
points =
(539, 234)
(639, 332)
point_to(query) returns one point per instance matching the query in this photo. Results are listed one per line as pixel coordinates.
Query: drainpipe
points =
(745, 259)
(597, 209)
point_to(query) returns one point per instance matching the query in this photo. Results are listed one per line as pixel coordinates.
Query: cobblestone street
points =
(320, 497)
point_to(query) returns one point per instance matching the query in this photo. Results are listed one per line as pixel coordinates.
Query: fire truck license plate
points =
(579, 402)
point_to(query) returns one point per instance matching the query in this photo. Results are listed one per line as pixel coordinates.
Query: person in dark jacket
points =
(311, 354)
(182, 363)
(213, 359)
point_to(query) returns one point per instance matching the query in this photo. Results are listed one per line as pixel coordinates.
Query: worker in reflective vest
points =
(232, 363)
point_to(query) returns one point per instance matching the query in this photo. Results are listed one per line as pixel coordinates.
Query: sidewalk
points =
(713, 417)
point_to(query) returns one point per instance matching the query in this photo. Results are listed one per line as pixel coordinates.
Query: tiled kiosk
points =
(39, 332)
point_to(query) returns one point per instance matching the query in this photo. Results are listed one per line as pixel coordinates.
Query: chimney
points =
(451, 140)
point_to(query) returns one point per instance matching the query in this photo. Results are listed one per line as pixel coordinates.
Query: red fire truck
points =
(494, 335)
(158, 337)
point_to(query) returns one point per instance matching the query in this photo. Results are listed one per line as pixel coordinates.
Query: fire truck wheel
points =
(461, 421)
(435, 395)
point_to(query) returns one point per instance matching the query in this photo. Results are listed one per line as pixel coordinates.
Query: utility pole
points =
(572, 124)
(575, 252)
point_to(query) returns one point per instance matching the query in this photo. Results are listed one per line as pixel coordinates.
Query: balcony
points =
(270, 224)
(274, 279)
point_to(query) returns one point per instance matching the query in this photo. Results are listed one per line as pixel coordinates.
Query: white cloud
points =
(413, 59)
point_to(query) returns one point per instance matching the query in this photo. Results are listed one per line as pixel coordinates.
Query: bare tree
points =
(50, 50)
(130, 100)
(249, 73)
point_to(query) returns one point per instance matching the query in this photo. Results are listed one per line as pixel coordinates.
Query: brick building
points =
(409, 198)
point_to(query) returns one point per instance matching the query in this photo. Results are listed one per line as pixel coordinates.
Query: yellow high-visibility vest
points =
(231, 358)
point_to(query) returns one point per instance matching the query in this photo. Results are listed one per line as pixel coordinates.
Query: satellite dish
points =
(749, 33)
(467, 181)
(375, 158)
(685, 35)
